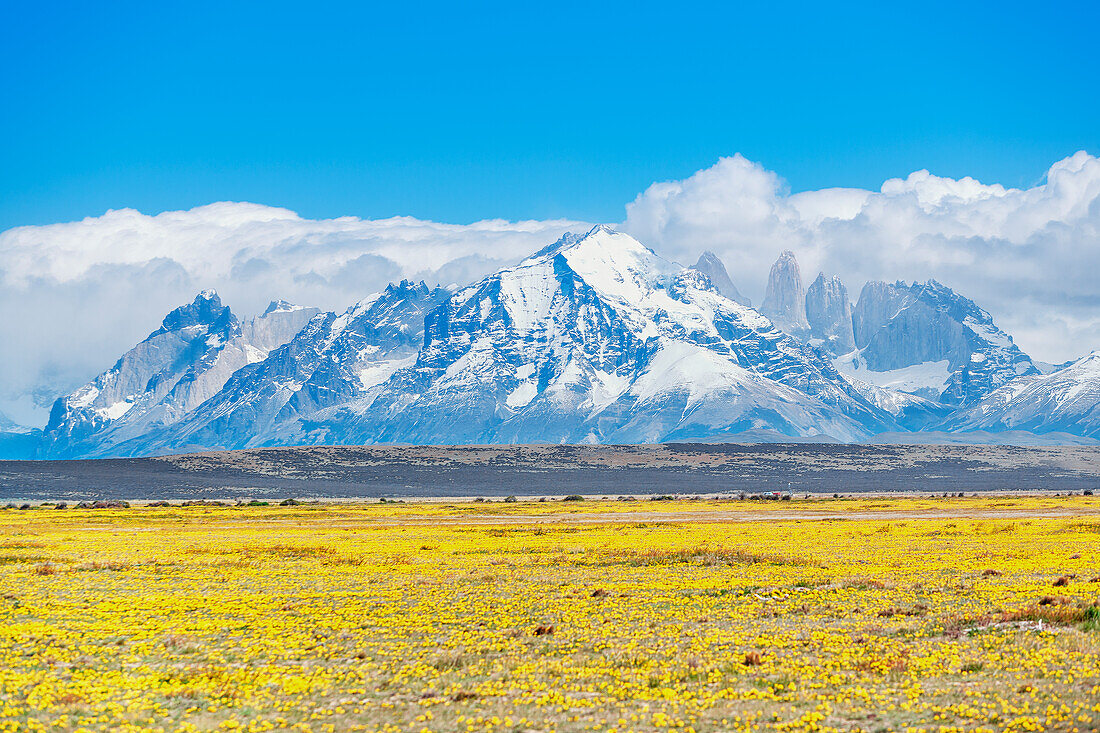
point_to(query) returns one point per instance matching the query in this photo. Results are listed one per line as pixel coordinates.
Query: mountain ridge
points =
(595, 338)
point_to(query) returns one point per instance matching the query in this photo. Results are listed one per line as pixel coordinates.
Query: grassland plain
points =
(558, 616)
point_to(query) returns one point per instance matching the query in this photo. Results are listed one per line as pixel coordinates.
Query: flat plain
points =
(860, 614)
(499, 470)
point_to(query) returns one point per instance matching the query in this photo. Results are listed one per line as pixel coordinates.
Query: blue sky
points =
(458, 112)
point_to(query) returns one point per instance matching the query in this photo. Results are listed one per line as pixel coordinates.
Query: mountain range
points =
(594, 339)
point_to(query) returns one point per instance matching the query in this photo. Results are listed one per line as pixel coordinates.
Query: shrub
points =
(510, 499)
(1090, 618)
(573, 497)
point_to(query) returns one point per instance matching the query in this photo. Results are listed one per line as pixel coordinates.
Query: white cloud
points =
(1027, 256)
(75, 296)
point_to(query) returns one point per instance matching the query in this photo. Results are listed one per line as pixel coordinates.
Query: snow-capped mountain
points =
(911, 411)
(595, 338)
(1067, 400)
(333, 360)
(920, 339)
(179, 366)
(599, 339)
(925, 339)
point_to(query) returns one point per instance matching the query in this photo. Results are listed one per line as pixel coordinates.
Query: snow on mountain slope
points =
(928, 340)
(598, 339)
(911, 411)
(593, 339)
(1067, 400)
(921, 338)
(332, 360)
(928, 378)
(175, 369)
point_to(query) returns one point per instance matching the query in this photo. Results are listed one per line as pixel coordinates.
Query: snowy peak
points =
(1067, 400)
(597, 236)
(616, 264)
(178, 366)
(600, 339)
(332, 360)
(282, 306)
(945, 299)
(929, 327)
(273, 328)
(785, 297)
(710, 265)
(394, 317)
(608, 265)
(205, 310)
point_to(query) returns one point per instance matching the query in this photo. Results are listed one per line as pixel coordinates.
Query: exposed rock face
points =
(878, 303)
(829, 313)
(332, 361)
(593, 339)
(712, 267)
(939, 338)
(176, 368)
(599, 339)
(785, 298)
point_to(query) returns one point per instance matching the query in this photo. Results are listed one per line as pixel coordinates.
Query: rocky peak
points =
(205, 310)
(878, 303)
(785, 297)
(282, 306)
(407, 288)
(277, 325)
(712, 267)
(829, 313)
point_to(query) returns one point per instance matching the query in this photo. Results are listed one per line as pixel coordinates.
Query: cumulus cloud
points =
(75, 296)
(1028, 256)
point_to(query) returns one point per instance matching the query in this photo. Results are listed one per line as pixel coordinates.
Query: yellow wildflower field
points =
(860, 614)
